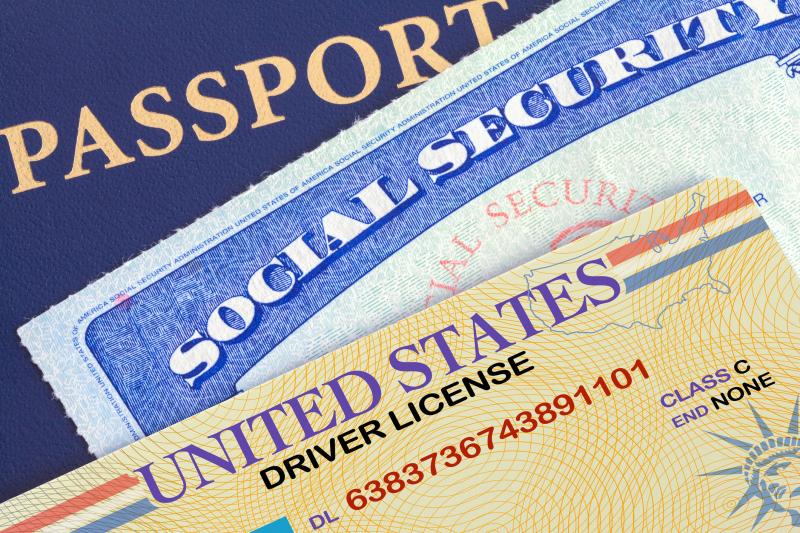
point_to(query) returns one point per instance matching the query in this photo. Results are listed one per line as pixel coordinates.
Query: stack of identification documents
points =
(589, 112)
(642, 378)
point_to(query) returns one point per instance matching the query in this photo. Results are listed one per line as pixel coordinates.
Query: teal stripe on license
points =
(280, 525)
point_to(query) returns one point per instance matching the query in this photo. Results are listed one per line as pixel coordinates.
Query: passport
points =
(643, 378)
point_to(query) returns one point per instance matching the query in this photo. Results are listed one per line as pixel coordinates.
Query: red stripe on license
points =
(685, 225)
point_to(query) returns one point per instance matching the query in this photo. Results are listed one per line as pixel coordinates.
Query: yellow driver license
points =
(642, 378)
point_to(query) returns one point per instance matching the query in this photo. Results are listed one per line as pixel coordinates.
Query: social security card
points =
(585, 114)
(643, 378)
